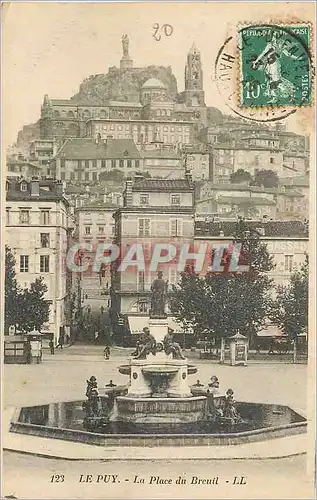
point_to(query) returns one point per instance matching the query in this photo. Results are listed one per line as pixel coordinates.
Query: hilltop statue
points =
(159, 297)
(125, 45)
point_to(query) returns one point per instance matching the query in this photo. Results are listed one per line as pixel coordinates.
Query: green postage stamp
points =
(275, 66)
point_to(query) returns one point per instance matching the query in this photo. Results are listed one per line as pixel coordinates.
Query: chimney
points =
(128, 199)
(35, 187)
(188, 176)
(59, 187)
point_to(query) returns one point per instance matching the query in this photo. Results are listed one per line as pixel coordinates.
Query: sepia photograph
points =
(158, 250)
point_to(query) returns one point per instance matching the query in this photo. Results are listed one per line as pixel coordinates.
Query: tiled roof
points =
(271, 228)
(88, 149)
(163, 185)
(156, 153)
(300, 181)
(14, 192)
(122, 148)
(82, 149)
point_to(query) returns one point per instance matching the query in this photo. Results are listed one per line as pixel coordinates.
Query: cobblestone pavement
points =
(63, 377)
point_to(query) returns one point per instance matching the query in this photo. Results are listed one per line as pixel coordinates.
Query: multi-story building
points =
(38, 229)
(95, 226)
(43, 150)
(287, 242)
(231, 200)
(20, 166)
(86, 160)
(143, 131)
(154, 211)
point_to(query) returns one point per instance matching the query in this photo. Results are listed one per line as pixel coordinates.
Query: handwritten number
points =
(165, 29)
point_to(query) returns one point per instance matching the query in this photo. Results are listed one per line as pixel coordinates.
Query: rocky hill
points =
(123, 84)
(118, 85)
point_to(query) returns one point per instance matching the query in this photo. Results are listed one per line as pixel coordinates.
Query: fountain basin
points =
(126, 369)
(65, 421)
(160, 410)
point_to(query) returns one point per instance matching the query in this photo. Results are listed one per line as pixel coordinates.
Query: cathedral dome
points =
(153, 83)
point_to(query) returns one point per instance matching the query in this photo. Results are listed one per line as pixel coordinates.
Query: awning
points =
(270, 331)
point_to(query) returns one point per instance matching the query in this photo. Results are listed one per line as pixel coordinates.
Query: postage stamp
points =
(275, 66)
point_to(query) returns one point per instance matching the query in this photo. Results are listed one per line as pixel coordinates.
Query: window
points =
(144, 199)
(129, 164)
(113, 163)
(87, 229)
(45, 217)
(94, 163)
(86, 176)
(271, 160)
(175, 199)
(101, 229)
(121, 163)
(137, 163)
(103, 163)
(141, 281)
(44, 263)
(24, 263)
(45, 240)
(94, 176)
(165, 129)
(175, 227)
(144, 227)
(86, 163)
(7, 217)
(288, 263)
(24, 186)
(24, 216)
(62, 176)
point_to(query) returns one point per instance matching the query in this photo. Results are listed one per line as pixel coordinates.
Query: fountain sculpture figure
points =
(159, 391)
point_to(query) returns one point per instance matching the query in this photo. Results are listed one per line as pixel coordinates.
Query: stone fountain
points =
(159, 391)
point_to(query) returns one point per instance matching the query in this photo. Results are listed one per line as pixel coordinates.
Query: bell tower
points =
(194, 90)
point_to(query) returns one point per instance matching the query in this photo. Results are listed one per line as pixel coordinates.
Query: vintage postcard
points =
(158, 257)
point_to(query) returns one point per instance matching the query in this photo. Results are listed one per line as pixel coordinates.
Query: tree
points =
(223, 303)
(291, 306)
(11, 291)
(240, 176)
(113, 175)
(266, 178)
(33, 308)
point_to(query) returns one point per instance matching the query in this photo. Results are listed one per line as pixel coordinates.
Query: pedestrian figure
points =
(60, 342)
(28, 353)
(96, 337)
(111, 384)
(51, 346)
(107, 352)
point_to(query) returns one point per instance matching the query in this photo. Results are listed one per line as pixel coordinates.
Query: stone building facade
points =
(38, 231)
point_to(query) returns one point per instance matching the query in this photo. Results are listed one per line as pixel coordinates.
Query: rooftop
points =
(153, 83)
(89, 149)
(47, 190)
(163, 185)
(271, 228)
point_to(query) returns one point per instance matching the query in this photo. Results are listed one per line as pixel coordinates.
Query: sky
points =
(50, 48)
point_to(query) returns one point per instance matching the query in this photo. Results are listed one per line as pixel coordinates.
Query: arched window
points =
(86, 113)
(70, 114)
(158, 112)
(56, 113)
(103, 114)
